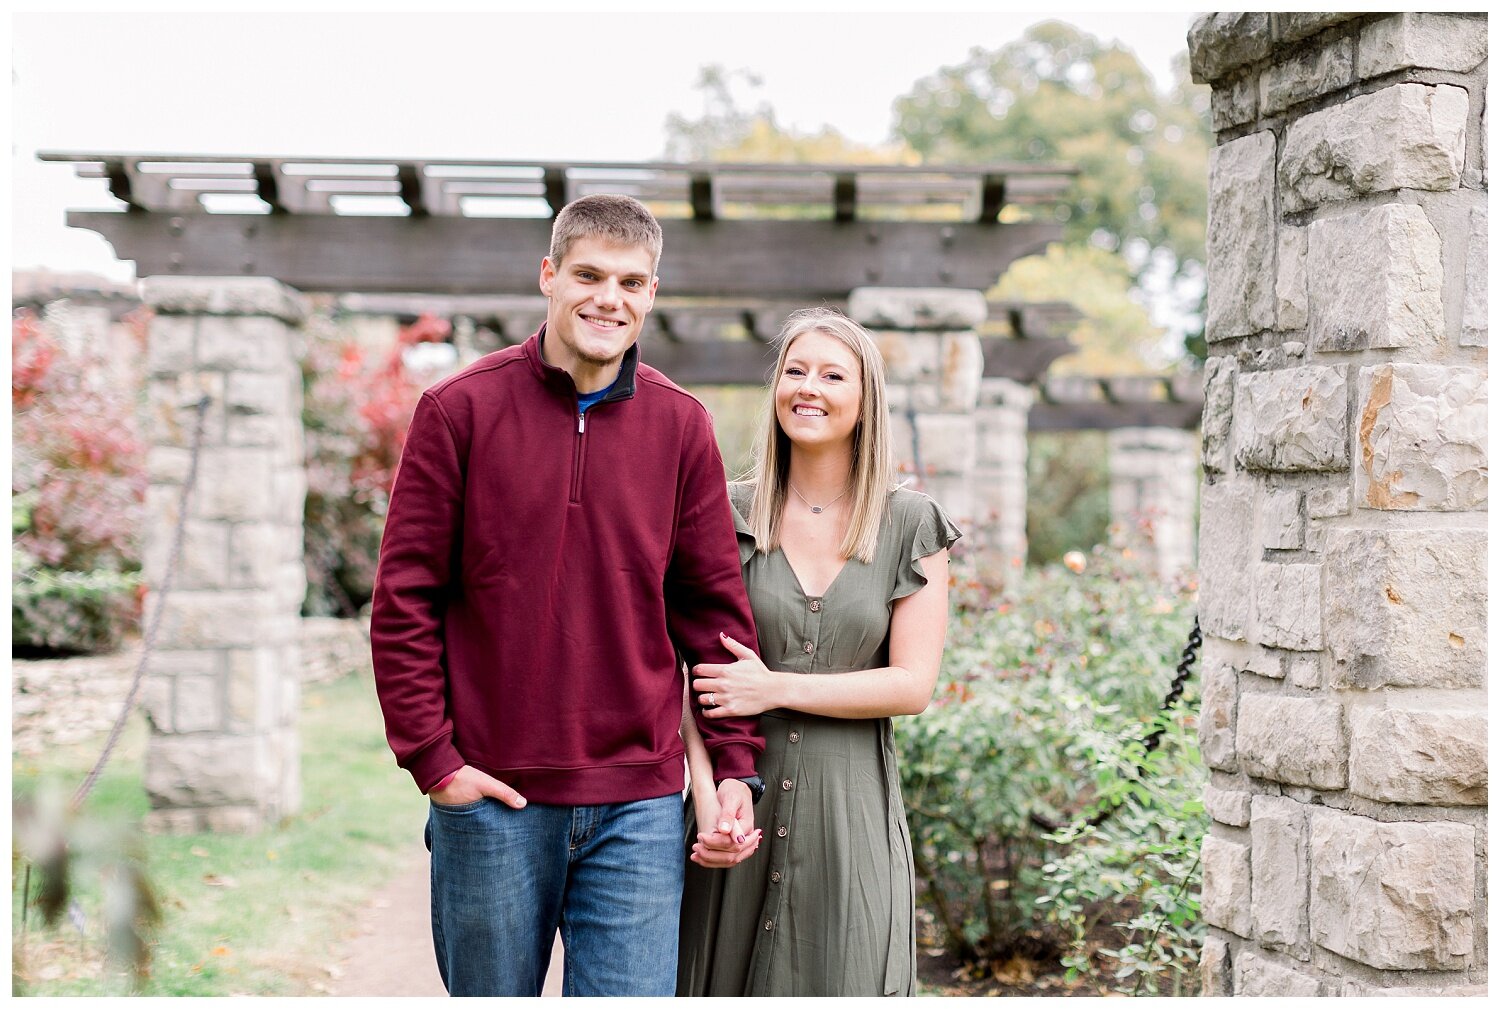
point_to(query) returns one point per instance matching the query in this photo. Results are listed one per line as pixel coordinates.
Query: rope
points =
(1174, 694)
(154, 626)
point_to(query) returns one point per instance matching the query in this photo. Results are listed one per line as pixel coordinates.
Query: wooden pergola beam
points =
(1025, 360)
(1024, 357)
(1103, 416)
(701, 196)
(119, 184)
(410, 178)
(1106, 402)
(719, 362)
(746, 362)
(841, 192)
(268, 188)
(797, 231)
(462, 255)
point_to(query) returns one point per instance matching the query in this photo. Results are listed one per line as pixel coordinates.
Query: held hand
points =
(471, 784)
(725, 834)
(742, 687)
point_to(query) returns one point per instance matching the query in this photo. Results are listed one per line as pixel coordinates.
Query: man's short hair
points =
(621, 219)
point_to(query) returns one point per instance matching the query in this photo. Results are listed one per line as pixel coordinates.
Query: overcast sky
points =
(561, 86)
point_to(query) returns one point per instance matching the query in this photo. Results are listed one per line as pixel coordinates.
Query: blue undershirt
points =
(588, 399)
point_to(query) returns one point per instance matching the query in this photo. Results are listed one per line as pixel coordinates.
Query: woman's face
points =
(818, 391)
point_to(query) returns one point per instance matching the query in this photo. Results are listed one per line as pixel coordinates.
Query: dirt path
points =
(391, 952)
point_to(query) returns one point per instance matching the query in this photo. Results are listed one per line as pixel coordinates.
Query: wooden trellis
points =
(479, 227)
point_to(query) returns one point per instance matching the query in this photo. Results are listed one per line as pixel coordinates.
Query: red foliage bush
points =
(78, 485)
(357, 405)
(80, 462)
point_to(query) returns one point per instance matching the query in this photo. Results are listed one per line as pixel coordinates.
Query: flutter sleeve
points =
(740, 495)
(924, 529)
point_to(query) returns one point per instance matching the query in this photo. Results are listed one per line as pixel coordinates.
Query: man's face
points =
(597, 301)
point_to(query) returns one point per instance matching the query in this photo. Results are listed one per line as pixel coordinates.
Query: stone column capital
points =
(241, 296)
(917, 308)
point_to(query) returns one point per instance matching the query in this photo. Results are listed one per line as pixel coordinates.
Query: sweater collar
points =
(559, 380)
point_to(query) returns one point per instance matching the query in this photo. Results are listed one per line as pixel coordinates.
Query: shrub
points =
(78, 483)
(1067, 493)
(1046, 694)
(70, 611)
(1138, 873)
(357, 405)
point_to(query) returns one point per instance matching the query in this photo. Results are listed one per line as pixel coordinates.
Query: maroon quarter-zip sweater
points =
(538, 567)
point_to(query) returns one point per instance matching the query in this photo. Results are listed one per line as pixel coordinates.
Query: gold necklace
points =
(816, 509)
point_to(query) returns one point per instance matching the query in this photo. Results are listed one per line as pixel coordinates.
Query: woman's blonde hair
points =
(872, 470)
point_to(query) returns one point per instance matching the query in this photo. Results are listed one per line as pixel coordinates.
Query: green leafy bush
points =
(70, 611)
(1047, 693)
(1139, 873)
(1067, 493)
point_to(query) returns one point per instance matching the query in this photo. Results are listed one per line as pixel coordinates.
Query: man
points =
(558, 532)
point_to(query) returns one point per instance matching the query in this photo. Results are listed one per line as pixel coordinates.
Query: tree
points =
(730, 129)
(1116, 335)
(1058, 94)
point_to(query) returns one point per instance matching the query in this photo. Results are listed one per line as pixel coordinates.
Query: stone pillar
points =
(222, 690)
(1153, 487)
(933, 364)
(1000, 471)
(1342, 546)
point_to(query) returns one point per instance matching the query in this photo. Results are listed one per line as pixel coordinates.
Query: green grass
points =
(261, 914)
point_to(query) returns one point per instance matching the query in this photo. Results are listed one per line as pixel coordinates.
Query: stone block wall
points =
(75, 700)
(222, 690)
(1153, 492)
(60, 702)
(1000, 470)
(929, 340)
(1342, 542)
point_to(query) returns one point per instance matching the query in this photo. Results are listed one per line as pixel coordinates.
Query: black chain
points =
(149, 642)
(1174, 694)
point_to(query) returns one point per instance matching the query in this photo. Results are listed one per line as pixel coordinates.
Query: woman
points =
(848, 580)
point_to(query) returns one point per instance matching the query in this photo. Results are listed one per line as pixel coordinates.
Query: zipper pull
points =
(580, 422)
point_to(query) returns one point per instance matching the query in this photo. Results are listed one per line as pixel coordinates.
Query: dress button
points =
(786, 784)
(815, 605)
(807, 647)
(776, 877)
(781, 832)
(794, 736)
(769, 924)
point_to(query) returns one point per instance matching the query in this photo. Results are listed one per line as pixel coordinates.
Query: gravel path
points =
(391, 952)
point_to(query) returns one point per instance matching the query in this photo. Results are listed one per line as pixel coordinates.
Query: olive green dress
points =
(826, 905)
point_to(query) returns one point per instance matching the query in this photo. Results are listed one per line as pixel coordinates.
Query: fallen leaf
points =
(1015, 971)
(213, 879)
(200, 852)
(219, 951)
(272, 855)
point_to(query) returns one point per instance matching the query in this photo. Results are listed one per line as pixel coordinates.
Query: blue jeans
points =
(504, 880)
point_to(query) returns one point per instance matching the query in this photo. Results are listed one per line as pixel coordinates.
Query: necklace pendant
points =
(816, 511)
